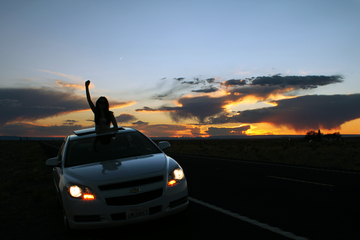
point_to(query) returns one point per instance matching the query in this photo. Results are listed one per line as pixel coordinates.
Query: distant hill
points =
(16, 138)
(245, 137)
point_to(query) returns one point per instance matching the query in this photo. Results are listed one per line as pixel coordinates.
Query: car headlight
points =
(80, 191)
(176, 176)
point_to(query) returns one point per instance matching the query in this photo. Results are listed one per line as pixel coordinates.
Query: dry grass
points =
(336, 155)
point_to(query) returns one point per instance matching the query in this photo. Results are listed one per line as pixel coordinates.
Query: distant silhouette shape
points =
(103, 116)
(313, 136)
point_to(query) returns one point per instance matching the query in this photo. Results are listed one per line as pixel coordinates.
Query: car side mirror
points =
(164, 145)
(52, 162)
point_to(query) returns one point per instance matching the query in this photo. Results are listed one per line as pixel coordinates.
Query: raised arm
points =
(92, 106)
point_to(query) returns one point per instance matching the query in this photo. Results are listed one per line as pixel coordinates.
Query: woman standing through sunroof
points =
(103, 116)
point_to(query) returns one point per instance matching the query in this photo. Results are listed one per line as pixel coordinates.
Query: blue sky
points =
(132, 51)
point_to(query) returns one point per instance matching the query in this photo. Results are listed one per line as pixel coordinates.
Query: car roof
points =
(90, 132)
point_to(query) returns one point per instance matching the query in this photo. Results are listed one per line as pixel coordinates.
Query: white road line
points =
(295, 180)
(248, 220)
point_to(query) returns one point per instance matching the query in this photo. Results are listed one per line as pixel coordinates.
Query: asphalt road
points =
(247, 200)
(300, 202)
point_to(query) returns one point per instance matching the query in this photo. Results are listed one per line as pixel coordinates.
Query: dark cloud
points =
(70, 122)
(210, 80)
(140, 123)
(261, 93)
(192, 82)
(125, 118)
(198, 108)
(228, 131)
(264, 88)
(38, 103)
(222, 118)
(160, 96)
(304, 113)
(259, 88)
(9, 103)
(206, 90)
(179, 79)
(176, 89)
(33, 104)
(299, 82)
(234, 82)
(195, 82)
(201, 107)
(148, 109)
(303, 82)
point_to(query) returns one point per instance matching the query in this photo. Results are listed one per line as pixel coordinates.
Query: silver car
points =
(116, 178)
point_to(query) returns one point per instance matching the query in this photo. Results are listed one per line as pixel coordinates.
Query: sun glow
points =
(219, 93)
(176, 103)
(116, 106)
(65, 84)
(228, 107)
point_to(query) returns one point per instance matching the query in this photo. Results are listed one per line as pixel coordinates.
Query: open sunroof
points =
(86, 131)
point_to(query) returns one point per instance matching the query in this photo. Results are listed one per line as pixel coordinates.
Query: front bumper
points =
(98, 214)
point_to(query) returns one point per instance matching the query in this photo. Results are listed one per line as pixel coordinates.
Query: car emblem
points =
(134, 190)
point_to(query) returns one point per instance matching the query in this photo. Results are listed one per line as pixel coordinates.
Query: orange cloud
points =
(303, 113)
(161, 109)
(120, 104)
(65, 84)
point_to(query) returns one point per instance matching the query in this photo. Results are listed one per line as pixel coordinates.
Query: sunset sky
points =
(181, 68)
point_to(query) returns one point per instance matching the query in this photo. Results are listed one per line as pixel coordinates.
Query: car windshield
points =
(108, 147)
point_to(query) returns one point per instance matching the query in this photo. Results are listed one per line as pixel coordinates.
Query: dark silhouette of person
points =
(103, 116)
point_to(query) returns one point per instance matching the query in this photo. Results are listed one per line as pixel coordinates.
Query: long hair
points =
(107, 112)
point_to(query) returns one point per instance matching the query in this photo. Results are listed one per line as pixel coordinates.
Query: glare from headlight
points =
(178, 174)
(80, 192)
(75, 191)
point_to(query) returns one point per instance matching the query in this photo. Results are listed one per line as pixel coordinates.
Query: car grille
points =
(134, 199)
(134, 183)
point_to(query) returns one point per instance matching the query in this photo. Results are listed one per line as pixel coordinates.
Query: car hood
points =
(120, 168)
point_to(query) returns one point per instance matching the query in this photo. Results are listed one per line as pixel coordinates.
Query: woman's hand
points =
(92, 106)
